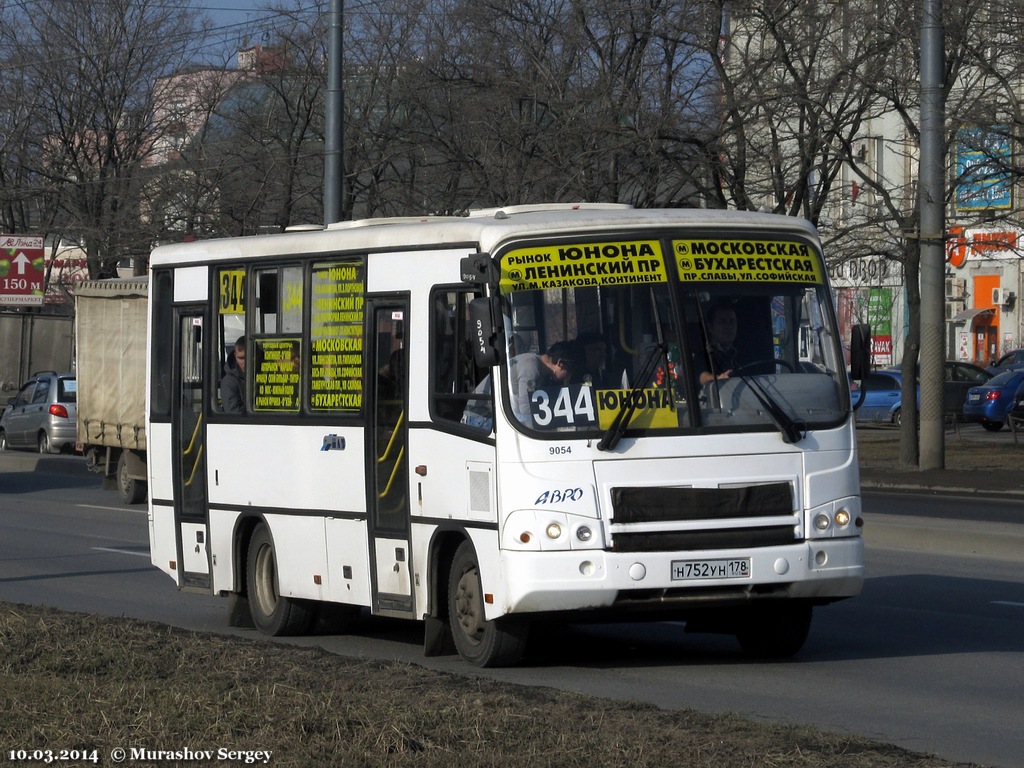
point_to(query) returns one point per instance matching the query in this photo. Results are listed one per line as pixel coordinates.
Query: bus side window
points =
(455, 377)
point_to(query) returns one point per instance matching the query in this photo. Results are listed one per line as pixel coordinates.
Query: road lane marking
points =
(112, 509)
(1009, 603)
(122, 551)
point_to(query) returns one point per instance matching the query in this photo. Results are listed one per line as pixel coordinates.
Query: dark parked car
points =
(42, 416)
(883, 404)
(990, 404)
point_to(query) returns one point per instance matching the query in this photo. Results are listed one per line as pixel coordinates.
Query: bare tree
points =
(89, 70)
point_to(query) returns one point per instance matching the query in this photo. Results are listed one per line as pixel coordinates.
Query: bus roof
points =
(485, 229)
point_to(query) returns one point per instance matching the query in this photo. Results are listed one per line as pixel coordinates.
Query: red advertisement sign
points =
(21, 269)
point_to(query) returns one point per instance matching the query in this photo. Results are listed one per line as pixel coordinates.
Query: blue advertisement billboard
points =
(983, 159)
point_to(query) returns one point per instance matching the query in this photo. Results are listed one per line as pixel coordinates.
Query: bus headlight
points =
(547, 530)
(836, 519)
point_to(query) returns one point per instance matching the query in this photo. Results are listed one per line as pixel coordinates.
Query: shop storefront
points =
(983, 280)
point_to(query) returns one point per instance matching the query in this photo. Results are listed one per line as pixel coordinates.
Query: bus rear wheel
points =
(774, 630)
(496, 643)
(271, 613)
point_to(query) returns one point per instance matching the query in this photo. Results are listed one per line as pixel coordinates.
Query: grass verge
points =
(70, 681)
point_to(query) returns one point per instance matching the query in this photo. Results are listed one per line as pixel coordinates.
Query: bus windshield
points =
(604, 333)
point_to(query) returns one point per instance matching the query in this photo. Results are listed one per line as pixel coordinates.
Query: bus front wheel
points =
(271, 613)
(496, 643)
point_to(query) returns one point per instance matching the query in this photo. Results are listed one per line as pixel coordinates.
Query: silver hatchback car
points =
(43, 415)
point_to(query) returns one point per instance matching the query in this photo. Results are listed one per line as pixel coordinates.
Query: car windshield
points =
(598, 329)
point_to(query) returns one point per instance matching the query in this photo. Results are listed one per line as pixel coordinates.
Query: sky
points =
(237, 23)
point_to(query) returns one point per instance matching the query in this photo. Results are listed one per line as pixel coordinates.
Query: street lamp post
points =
(334, 119)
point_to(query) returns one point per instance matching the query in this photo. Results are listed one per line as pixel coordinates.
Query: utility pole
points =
(334, 119)
(932, 186)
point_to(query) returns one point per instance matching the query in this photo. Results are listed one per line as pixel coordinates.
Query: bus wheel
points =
(496, 643)
(132, 491)
(775, 630)
(271, 613)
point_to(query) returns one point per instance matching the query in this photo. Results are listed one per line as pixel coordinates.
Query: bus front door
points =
(190, 504)
(387, 461)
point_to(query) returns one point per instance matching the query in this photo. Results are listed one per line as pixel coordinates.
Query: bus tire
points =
(497, 643)
(271, 613)
(775, 630)
(132, 491)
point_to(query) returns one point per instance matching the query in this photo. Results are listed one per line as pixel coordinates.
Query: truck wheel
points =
(271, 613)
(132, 491)
(497, 643)
(775, 630)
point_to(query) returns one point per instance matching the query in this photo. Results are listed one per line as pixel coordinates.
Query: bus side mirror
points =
(479, 268)
(860, 351)
(482, 333)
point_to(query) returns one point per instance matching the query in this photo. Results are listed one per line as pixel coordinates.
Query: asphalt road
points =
(929, 657)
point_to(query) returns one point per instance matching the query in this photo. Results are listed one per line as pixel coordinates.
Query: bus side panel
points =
(285, 467)
(222, 550)
(348, 563)
(457, 486)
(301, 548)
(158, 461)
(162, 538)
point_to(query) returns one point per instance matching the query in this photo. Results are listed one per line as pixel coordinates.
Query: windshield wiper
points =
(620, 424)
(793, 431)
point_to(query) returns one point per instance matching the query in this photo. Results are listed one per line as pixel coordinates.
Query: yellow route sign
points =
(576, 265)
(752, 261)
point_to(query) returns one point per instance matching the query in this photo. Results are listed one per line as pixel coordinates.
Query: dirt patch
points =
(98, 684)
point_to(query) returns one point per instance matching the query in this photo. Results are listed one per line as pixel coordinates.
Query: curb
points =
(1002, 541)
(877, 485)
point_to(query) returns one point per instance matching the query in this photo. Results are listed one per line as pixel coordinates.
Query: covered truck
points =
(110, 341)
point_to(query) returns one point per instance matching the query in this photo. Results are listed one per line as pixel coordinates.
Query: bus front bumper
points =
(543, 582)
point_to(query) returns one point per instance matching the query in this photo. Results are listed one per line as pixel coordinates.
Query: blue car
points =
(991, 403)
(883, 398)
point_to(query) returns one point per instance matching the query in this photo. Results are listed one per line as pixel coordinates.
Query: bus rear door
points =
(190, 502)
(387, 459)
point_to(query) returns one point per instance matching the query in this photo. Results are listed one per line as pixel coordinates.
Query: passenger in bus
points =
(479, 411)
(720, 354)
(232, 386)
(596, 371)
(529, 372)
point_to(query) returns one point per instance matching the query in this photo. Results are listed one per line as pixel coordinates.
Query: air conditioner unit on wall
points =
(955, 288)
(999, 296)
